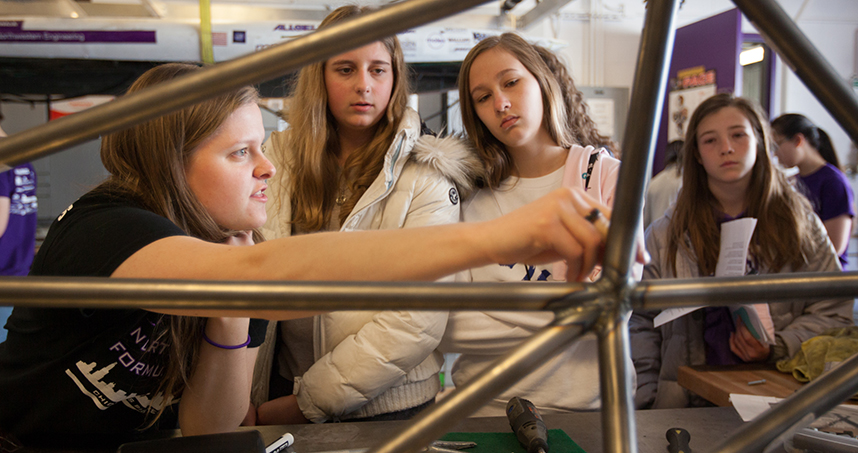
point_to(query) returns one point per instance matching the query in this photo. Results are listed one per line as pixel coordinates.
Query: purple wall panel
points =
(714, 43)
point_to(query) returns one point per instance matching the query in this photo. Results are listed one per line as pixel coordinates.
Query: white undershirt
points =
(512, 194)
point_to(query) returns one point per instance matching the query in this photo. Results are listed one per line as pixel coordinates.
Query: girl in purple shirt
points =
(801, 144)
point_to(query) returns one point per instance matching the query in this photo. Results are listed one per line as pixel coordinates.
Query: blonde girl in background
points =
(184, 199)
(354, 158)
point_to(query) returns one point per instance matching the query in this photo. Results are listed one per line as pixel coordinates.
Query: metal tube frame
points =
(784, 36)
(648, 88)
(816, 398)
(507, 370)
(253, 68)
(604, 306)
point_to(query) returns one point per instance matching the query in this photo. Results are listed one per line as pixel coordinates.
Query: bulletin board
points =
(681, 105)
(689, 89)
(609, 108)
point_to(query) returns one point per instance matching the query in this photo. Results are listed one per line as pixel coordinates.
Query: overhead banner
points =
(178, 40)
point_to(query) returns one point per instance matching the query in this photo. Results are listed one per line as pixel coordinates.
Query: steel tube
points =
(784, 36)
(818, 397)
(69, 292)
(66, 292)
(616, 384)
(661, 294)
(254, 68)
(648, 91)
(648, 88)
(506, 371)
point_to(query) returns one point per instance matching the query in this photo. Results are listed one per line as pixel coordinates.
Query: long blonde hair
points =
(312, 179)
(492, 152)
(783, 216)
(147, 164)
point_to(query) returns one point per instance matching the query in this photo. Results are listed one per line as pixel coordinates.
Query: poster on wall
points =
(689, 89)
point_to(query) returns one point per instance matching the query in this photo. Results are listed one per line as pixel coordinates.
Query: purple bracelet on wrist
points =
(223, 346)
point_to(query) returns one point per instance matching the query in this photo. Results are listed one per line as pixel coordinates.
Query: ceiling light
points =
(752, 55)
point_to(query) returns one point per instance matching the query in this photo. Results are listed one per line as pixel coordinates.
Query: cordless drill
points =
(527, 425)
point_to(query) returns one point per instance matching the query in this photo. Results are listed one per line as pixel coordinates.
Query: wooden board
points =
(716, 383)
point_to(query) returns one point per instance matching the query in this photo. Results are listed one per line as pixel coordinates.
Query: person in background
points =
(728, 174)
(354, 158)
(799, 143)
(515, 114)
(184, 200)
(663, 188)
(18, 216)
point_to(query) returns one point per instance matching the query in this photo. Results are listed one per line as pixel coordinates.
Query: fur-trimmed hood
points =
(393, 364)
(452, 157)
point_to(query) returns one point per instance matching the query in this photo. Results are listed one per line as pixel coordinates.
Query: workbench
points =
(707, 426)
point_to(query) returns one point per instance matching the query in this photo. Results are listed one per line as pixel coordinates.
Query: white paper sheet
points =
(750, 406)
(735, 237)
(670, 314)
(840, 419)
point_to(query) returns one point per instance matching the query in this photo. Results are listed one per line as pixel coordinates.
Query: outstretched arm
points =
(547, 230)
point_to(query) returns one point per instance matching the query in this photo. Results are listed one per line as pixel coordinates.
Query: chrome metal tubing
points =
(70, 292)
(619, 433)
(437, 420)
(254, 68)
(661, 294)
(817, 398)
(783, 35)
(648, 90)
(66, 292)
(580, 305)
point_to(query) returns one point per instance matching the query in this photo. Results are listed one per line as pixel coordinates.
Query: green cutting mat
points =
(558, 442)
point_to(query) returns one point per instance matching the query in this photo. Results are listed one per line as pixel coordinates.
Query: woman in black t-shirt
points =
(184, 191)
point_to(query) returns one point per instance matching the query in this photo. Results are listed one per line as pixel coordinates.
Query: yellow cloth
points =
(821, 353)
